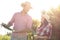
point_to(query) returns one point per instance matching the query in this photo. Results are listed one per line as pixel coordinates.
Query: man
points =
(22, 23)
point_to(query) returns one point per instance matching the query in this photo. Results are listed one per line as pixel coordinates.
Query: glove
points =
(3, 24)
(6, 26)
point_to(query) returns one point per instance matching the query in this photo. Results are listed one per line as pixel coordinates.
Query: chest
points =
(21, 19)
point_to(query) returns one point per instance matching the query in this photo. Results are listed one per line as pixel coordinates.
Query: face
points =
(27, 8)
(42, 19)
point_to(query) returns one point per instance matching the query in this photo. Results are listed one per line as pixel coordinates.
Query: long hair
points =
(45, 22)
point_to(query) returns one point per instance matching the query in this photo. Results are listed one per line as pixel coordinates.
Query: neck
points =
(23, 13)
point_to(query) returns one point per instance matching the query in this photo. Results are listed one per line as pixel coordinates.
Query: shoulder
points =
(16, 13)
(29, 17)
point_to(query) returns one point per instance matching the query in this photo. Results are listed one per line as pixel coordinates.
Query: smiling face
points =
(26, 6)
(44, 21)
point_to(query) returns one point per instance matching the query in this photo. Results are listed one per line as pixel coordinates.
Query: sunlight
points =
(41, 5)
(9, 7)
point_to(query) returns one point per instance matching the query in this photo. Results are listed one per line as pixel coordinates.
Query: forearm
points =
(6, 26)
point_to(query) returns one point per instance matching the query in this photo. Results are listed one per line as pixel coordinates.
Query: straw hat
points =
(28, 4)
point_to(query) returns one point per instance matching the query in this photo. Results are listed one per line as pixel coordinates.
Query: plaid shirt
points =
(45, 31)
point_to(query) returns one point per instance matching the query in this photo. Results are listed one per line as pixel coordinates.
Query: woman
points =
(44, 32)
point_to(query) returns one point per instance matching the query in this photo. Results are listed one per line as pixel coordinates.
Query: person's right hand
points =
(3, 24)
(6, 26)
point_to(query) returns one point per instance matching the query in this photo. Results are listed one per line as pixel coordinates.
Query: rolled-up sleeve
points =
(12, 20)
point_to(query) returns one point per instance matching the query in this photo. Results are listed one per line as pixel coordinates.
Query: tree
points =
(35, 25)
(6, 37)
(54, 15)
(0, 37)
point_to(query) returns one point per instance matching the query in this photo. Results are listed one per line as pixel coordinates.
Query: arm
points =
(6, 26)
(10, 23)
(29, 24)
(49, 31)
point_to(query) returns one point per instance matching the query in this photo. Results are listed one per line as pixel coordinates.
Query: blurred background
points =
(51, 8)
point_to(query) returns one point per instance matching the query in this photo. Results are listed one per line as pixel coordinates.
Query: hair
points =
(25, 3)
(45, 22)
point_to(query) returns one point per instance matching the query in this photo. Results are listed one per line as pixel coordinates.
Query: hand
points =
(6, 26)
(3, 24)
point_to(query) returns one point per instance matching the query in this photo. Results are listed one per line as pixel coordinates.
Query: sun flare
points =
(40, 5)
(9, 7)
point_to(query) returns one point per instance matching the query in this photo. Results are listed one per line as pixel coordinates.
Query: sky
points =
(9, 7)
